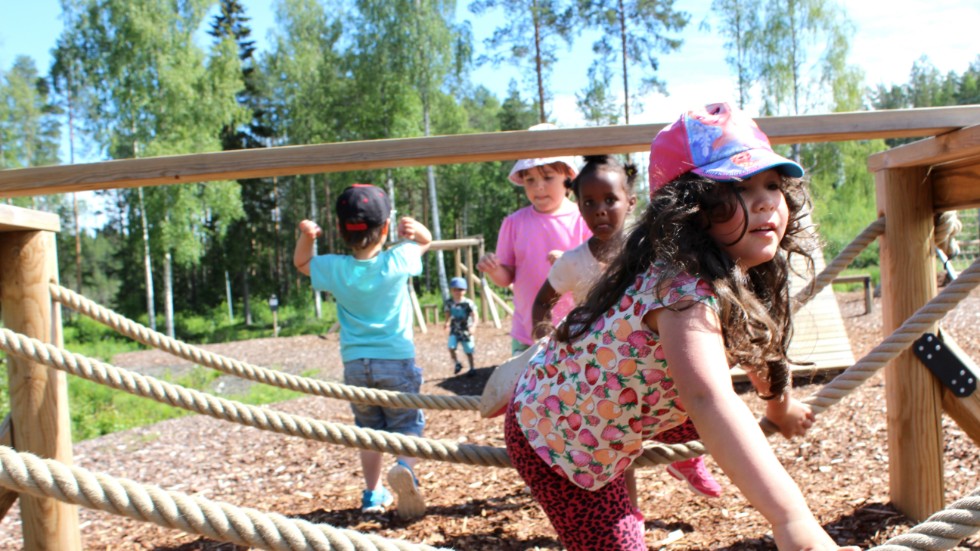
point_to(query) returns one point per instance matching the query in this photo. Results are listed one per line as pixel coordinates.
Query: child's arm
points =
(500, 274)
(308, 232)
(792, 416)
(413, 230)
(695, 352)
(541, 308)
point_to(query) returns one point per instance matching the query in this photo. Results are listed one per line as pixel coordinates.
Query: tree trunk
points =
(276, 219)
(330, 226)
(168, 293)
(147, 265)
(316, 294)
(78, 245)
(626, 84)
(246, 305)
(434, 200)
(538, 64)
(74, 196)
(231, 309)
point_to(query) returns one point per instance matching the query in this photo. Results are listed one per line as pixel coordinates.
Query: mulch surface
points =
(841, 465)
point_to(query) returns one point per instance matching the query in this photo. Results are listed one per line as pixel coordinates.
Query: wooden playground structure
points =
(914, 182)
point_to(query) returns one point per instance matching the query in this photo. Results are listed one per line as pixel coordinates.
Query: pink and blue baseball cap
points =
(718, 142)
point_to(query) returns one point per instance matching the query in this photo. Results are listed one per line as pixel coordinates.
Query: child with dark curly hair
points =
(700, 284)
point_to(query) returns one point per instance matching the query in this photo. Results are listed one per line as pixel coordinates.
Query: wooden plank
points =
(965, 411)
(465, 148)
(18, 219)
(956, 187)
(913, 395)
(818, 329)
(954, 145)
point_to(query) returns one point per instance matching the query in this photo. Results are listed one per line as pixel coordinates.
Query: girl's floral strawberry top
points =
(588, 406)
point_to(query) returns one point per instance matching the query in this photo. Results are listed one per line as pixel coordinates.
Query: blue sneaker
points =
(402, 479)
(376, 501)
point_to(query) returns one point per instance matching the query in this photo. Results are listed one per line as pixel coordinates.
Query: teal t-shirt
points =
(373, 305)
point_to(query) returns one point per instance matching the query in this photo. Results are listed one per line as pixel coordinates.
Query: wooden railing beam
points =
(957, 144)
(465, 148)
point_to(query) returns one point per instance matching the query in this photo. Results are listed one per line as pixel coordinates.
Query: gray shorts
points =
(396, 375)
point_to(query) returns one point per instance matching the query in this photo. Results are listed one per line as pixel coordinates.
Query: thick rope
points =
(284, 423)
(942, 530)
(253, 416)
(898, 342)
(842, 261)
(27, 473)
(844, 383)
(306, 385)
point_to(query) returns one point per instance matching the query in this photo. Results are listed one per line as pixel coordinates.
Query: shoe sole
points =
(679, 476)
(410, 503)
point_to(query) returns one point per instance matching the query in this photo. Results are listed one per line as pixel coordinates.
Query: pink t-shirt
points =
(586, 407)
(523, 243)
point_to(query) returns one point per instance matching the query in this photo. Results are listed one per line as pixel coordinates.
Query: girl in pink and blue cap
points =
(530, 238)
(700, 284)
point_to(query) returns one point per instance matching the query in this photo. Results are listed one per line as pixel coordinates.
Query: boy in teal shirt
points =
(375, 315)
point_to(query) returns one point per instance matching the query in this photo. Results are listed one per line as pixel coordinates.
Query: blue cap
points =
(457, 283)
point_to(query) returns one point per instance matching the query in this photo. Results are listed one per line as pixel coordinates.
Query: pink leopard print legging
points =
(585, 520)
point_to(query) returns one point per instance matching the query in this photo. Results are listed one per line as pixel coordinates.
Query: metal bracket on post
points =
(948, 363)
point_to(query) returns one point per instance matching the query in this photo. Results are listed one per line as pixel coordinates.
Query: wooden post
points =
(471, 289)
(416, 308)
(484, 299)
(38, 394)
(913, 395)
(457, 263)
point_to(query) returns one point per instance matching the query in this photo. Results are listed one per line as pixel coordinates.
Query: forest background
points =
(134, 79)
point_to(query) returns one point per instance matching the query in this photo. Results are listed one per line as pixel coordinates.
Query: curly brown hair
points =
(755, 304)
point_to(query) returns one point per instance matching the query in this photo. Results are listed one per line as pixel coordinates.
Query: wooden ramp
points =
(818, 332)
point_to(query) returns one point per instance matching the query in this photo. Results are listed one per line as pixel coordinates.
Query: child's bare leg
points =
(630, 478)
(371, 464)
(469, 356)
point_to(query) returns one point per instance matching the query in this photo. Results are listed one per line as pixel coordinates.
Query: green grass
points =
(97, 410)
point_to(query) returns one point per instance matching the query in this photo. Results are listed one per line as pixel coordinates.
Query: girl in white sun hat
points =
(530, 238)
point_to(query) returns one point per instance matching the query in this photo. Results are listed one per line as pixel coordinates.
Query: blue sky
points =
(886, 43)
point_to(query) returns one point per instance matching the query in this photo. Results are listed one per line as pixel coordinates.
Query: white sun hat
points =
(526, 164)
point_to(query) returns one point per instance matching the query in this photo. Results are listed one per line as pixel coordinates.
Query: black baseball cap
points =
(363, 206)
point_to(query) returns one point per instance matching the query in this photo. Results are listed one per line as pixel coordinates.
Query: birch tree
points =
(153, 92)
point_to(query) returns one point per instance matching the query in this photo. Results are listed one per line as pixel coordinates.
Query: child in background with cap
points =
(460, 320)
(375, 316)
(526, 238)
(700, 284)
